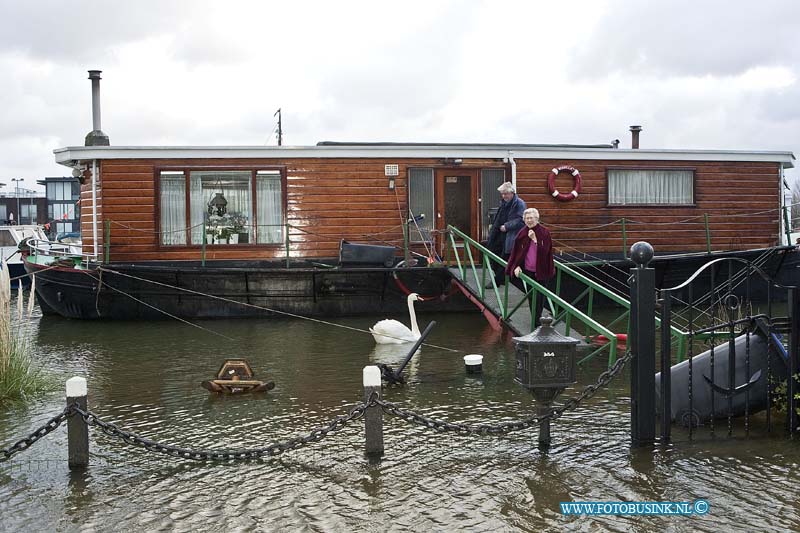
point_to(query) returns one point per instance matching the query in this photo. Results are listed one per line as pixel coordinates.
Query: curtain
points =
(269, 203)
(173, 208)
(653, 187)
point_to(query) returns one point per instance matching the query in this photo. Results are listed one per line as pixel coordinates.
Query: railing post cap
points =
(372, 376)
(76, 386)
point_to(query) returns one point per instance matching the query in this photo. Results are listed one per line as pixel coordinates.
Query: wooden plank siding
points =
(329, 199)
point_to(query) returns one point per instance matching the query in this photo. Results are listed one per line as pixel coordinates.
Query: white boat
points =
(10, 237)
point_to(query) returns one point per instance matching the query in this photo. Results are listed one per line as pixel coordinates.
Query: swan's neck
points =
(414, 326)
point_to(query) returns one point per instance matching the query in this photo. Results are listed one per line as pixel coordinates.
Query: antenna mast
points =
(280, 130)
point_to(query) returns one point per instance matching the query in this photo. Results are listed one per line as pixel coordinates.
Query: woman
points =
(532, 255)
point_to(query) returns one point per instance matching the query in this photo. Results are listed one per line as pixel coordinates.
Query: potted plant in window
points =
(238, 224)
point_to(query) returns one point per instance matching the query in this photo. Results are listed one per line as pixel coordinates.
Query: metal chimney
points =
(635, 137)
(96, 137)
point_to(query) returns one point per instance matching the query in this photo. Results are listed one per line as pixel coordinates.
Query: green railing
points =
(561, 309)
(579, 309)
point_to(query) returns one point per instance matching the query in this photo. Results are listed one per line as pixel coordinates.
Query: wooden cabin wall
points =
(333, 199)
(327, 200)
(740, 198)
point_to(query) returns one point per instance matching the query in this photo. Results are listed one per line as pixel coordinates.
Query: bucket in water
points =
(473, 363)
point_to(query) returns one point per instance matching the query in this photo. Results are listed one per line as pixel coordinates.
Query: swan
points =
(390, 331)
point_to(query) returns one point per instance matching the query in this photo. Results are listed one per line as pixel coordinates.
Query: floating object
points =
(702, 408)
(390, 331)
(473, 363)
(236, 377)
(600, 340)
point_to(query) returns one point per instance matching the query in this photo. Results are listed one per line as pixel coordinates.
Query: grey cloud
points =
(82, 30)
(690, 38)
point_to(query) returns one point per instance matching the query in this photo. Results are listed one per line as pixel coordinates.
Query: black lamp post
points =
(545, 366)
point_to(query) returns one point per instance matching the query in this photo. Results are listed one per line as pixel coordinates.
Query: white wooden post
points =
(373, 416)
(77, 429)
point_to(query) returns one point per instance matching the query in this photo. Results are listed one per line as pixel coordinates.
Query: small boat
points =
(236, 377)
(10, 239)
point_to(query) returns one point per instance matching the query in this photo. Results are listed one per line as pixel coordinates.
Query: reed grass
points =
(19, 378)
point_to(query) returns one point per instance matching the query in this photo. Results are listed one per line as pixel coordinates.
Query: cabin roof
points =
(69, 156)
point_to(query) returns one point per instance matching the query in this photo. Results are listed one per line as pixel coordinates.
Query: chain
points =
(315, 435)
(49, 426)
(505, 427)
(272, 450)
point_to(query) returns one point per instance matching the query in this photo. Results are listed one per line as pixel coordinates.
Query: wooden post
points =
(288, 243)
(107, 243)
(373, 417)
(202, 244)
(77, 429)
(708, 233)
(406, 251)
(624, 240)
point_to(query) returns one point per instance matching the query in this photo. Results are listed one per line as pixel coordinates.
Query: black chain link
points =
(505, 427)
(315, 435)
(49, 426)
(272, 450)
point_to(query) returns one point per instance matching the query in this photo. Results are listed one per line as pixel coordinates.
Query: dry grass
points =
(19, 379)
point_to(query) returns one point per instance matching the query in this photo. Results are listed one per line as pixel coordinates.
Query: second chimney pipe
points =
(635, 137)
(96, 137)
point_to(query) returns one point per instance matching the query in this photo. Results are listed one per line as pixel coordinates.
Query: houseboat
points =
(258, 230)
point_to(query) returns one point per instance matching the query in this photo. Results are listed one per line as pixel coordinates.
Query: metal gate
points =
(739, 353)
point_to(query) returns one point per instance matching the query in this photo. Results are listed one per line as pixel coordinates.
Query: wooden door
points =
(457, 201)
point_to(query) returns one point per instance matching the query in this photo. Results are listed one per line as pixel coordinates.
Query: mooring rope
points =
(101, 282)
(245, 304)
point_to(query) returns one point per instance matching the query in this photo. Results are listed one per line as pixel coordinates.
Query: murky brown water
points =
(145, 377)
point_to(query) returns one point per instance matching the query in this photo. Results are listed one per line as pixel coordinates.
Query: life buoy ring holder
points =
(551, 183)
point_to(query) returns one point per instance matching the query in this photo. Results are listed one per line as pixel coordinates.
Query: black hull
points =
(159, 290)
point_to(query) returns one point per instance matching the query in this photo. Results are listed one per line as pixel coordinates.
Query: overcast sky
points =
(695, 74)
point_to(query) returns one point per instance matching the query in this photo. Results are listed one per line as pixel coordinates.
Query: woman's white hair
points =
(533, 211)
(506, 187)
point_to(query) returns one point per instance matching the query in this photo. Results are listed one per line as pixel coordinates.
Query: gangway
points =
(509, 305)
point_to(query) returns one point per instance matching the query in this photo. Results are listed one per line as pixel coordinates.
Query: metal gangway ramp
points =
(509, 306)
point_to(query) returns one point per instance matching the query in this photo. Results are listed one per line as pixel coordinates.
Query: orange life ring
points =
(551, 183)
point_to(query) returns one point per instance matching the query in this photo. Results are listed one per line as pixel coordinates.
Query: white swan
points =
(389, 331)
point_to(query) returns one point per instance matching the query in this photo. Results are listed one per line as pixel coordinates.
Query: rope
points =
(285, 313)
(101, 282)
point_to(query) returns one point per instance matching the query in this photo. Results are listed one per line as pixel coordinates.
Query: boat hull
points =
(160, 290)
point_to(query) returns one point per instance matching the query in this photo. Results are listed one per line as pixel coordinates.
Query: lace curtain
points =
(173, 208)
(650, 187)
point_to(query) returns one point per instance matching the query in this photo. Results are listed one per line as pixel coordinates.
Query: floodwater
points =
(145, 377)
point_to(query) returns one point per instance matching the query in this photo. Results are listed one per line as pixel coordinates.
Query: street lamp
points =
(16, 188)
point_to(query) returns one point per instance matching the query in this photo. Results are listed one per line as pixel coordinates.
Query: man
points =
(504, 228)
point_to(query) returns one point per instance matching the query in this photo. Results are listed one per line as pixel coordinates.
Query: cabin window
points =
(221, 207)
(173, 208)
(268, 202)
(420, 202)
(491, 179)
(650, 187)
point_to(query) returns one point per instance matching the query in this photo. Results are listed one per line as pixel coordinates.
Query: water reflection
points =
(146, 378)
